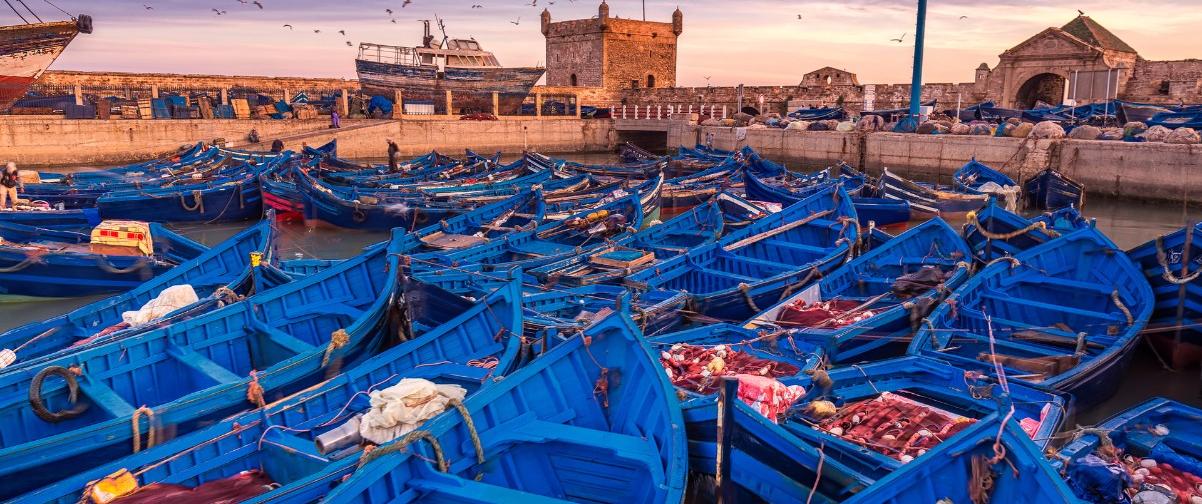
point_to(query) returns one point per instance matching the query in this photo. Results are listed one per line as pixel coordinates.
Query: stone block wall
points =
(118, 83)
(1165, 82)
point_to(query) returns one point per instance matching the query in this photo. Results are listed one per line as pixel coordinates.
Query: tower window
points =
(572, 79)
(650, 81)
(634, 83)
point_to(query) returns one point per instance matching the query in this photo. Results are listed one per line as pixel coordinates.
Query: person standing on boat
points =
(393, 151)
(10, 183)
(335, 120)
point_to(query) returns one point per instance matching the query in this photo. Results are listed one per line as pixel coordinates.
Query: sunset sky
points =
(730, 41)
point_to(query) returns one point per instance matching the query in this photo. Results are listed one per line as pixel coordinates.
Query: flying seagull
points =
(899, 40)
(342, 32)
(963, 17)
(407, 2)
(1080, 12)
(257, 4)
(348, 44)
(316, 31)
(148, 7)
(219, 12)
(288, 26)
(477, 6)
(389, 11)
(517, 22)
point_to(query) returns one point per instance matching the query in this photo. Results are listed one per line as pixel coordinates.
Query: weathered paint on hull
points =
(26, 51)
(469, 87)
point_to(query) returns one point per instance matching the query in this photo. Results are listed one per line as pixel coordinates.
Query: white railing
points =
(661, 112)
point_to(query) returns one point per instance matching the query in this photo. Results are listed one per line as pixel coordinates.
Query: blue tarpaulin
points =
(384, 105)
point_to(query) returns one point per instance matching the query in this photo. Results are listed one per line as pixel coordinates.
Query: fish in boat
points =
(1171, 263)
(38, 262)
(229, 199)
(881, 211)
(609, 264)
(303, 440)
(762, 263)
(871, 306)
(995, 232)
(976, 177)
(1052, 190)
(226, 265)
(186, 375)
(550, 242)
(739, 455)
(53, 219)
(1148, 453)
(596, 416)
(1064, 315)
(928, 200)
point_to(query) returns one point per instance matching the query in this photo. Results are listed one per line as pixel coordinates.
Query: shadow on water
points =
(1128, 223)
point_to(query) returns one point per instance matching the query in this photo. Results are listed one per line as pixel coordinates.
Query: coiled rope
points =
(198, 204)
(471, 429)
(1040, 225)
(338, 340)
(137, 428)
(1167, 274)
(410, 438)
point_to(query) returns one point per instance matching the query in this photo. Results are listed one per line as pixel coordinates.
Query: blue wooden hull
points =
(995, 232)
(1052, 190)
(224, 265)
(1065, 315)
(591, 438)
(882, 211)
(229, 201)
(867, 281)
(927, 201)
(970, 177)
(1172, 272)
(54, 219)
(279, 439)
(196, 372)
(81, 273)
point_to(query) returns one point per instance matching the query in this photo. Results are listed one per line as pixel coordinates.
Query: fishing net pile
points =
(1047, 130)
(1186, 136)
(700, 369)
(919, 282)
(236, 488)
(1085, 132)
(1108, 476)
(1156, 134)
(892, 425)
(831, 314)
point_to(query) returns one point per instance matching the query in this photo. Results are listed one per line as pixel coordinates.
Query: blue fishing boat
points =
(928, 200)
(609, 264)
(304, 438)
(1065, 315)
(974, 175)
(1148, 453)
(54, 219)
(1052, 190)
(882, 211)
(1172, 264)
(592, 437)
(995, 232)
(223, 200)
(39, 262)
(322, 205)
(226, 265)
(764, 262)
(870, 307)
(190, 374)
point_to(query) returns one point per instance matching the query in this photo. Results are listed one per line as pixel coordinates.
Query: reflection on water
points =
(1127, 223)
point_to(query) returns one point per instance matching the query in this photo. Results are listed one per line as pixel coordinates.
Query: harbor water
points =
(1127, 223)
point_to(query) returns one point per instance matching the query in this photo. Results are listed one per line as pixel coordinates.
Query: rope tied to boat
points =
(254, 391)
(39, 405)
(471, 430)
(371, 454)
(1037, 225)
(1014, 262)
(601, 386)
(745, 290)
(32, 257)
(1118, 302)
(338, 340)
(103, 263)
(1167, 274)
(226, 296)
(137, 428)
(198, 202)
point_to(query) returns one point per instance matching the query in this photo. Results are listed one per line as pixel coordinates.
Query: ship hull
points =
(471, 88)
(26, 51)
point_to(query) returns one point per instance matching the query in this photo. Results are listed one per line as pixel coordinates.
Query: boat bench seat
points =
(738, 259)
(724, 274)
(621, 446)
(203, 365)
(288, 341)
(777, 242)
(327, 307)
(998, 321)
(292, 443)
(450, 488)
(1067, 310)
(105, 398)
(1064, 282)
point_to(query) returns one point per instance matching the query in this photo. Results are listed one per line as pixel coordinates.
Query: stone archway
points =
(1045, 87)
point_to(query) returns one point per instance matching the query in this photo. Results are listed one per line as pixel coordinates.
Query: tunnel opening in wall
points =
(652, 141)
(1040, 90)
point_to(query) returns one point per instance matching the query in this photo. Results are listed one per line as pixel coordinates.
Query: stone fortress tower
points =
(611, 53)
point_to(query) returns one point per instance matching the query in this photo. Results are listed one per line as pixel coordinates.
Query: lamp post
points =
(916, 79)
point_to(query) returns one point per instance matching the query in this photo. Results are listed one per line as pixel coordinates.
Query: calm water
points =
(1127, 223)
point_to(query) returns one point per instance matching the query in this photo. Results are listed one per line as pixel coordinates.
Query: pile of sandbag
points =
(1111, 134)
(870, 124)
(980, 129)
(1085, 132)
(934, 128)
(1156, 134)
(960, 129)
(845, 126)
(1133, 129)
(713, 121)
(798, 125)
(1186, 136)
(1046, 130)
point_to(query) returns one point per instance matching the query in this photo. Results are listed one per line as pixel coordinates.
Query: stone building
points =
(610, 52)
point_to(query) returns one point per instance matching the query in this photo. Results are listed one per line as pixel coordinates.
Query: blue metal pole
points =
(916, 80)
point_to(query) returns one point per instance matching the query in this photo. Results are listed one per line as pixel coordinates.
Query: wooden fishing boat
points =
(550, 242)
(303, 438)
(593, 438)
(38, 262)
(764, 262)
(223, 200)
(995, 232)
(430, 71)
(1147, 453)
(53, 219)
(226, 265)
(928, 200)
(1065, 315)
(1172, 263)
(972, 177)
(870, 307)
(611, 263)
(189, 374)
(1052, 190)
(322, 205)
(882, 211)
(27, 50)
